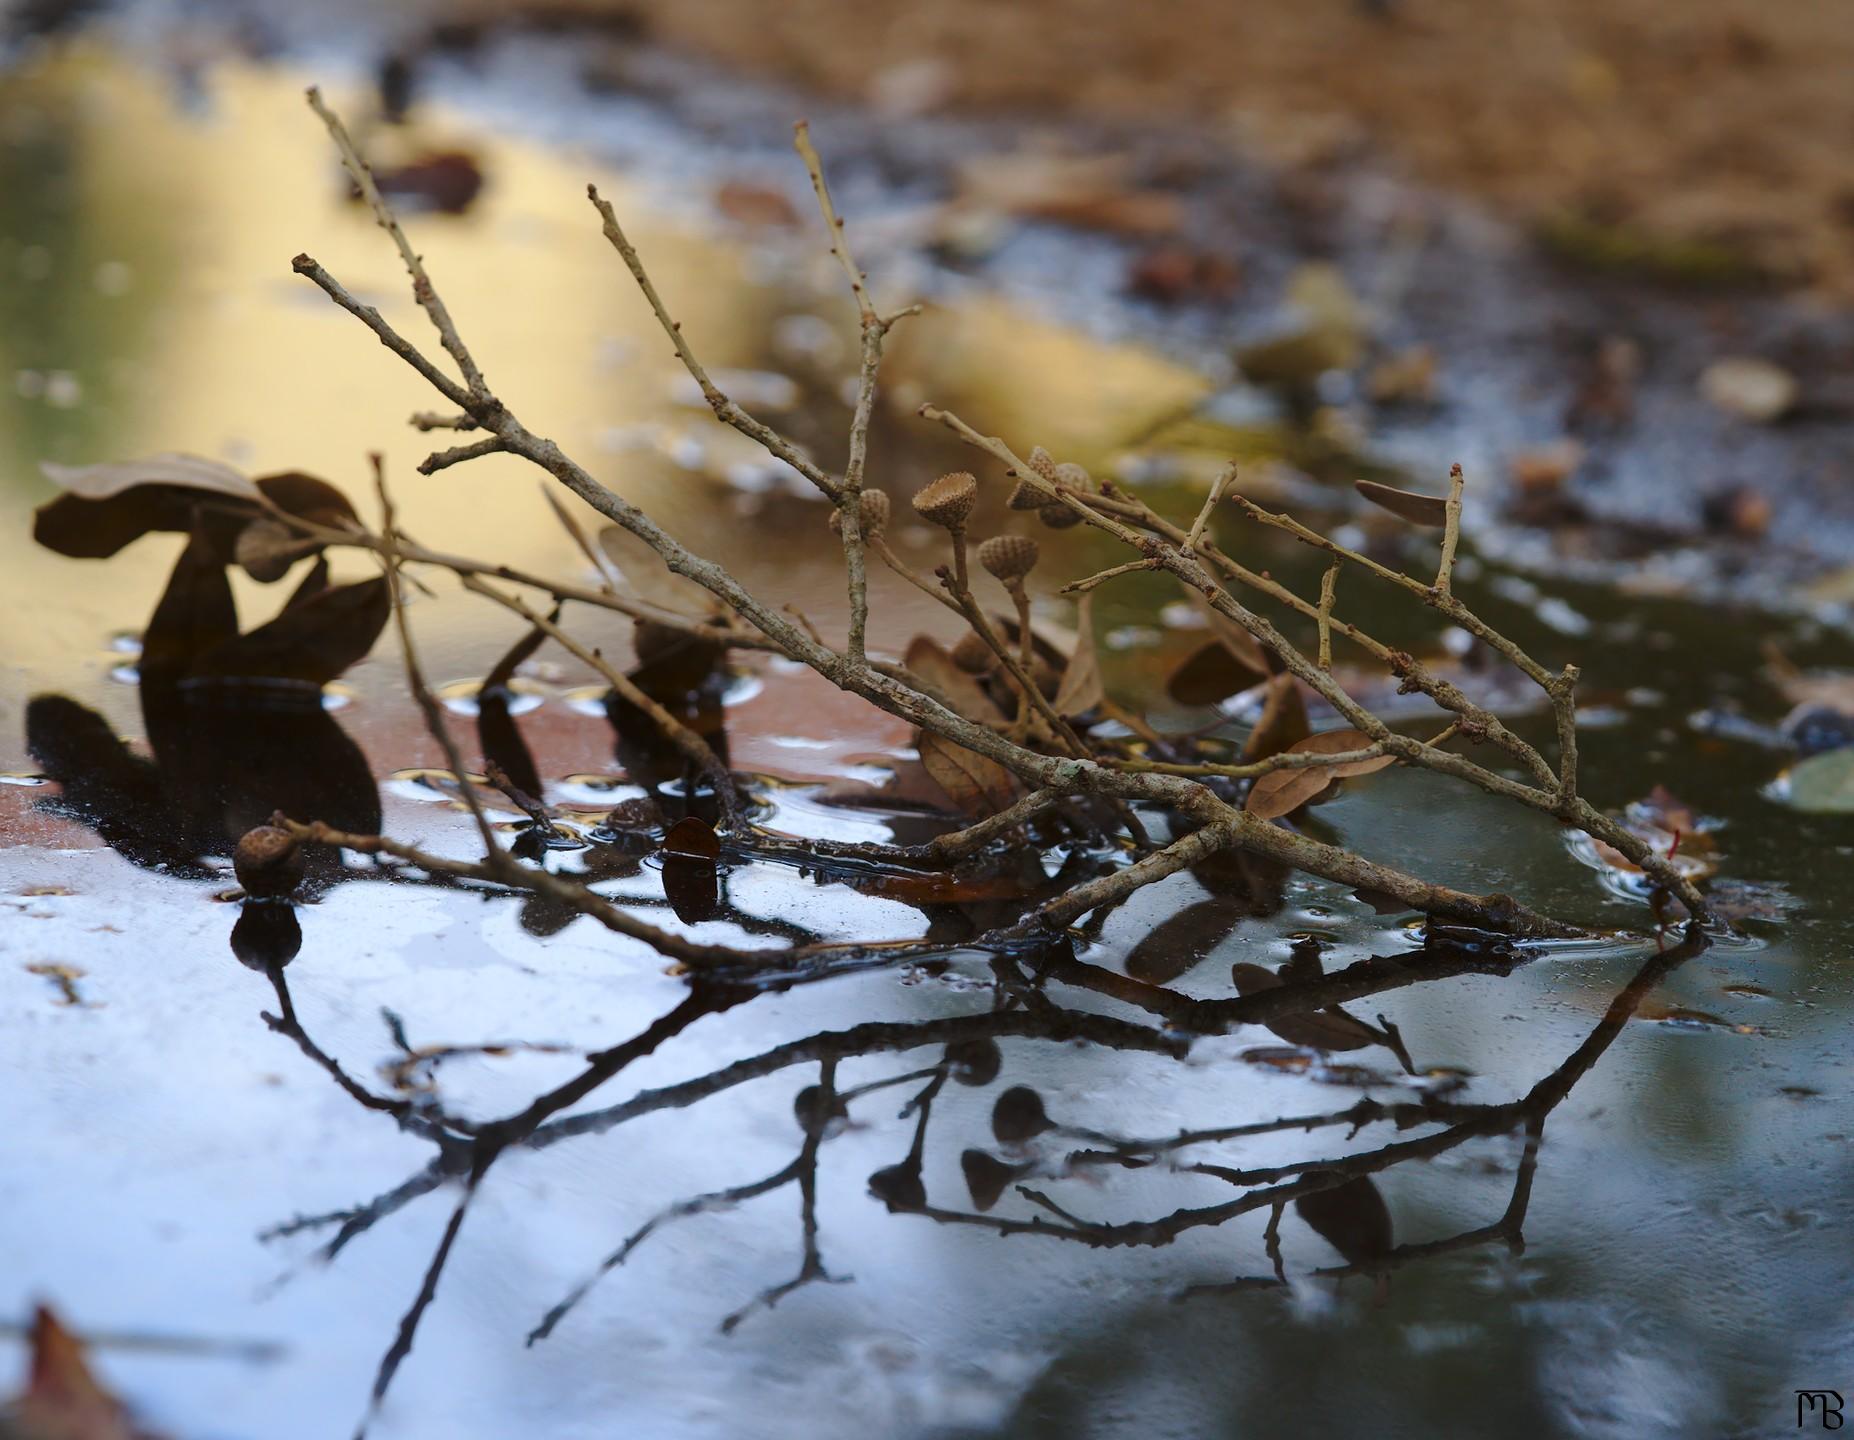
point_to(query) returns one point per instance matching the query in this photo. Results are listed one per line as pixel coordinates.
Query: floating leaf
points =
(1824, 784)
(1283, 722)
(1352, 1218)
(1284, 791)
(1081, 689)
(1330, 1029)
(976, 785)
(1429, 510)
(1211, 673)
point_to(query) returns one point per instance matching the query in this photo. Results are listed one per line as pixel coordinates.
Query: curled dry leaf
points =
(1330, 1029)
(976, 785)
(1669, 825)
(1283, 723)
(187, 472)
(1285, 791)
(1081, 689)
(1429, 510)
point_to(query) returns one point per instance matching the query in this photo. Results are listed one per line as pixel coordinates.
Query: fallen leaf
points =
(1749, 388)
(1091, 191)
(447, 181)
(1283, 721)
(63, 1400)
(1430, 510)
(1824, 784)
(1081, 689)
(928, 661)
(1283, 791)
(187, 472)
(1171, 274)
(1406, 378)
(1211, 673)
(975, 784)
(748, 204)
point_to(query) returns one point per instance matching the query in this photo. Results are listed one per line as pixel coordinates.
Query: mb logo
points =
(1825, 1403)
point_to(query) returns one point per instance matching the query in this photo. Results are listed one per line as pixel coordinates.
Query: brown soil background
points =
(1674, 121)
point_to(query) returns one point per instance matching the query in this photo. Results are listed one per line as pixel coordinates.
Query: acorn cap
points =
(1027, 497)
(972, 655)
(1076, 476)
(948, 501)
(1058, 516)
(873, 514)
(267, 861)
(1009, 557)
(1043, 463)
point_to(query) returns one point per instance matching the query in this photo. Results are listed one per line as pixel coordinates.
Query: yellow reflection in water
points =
(177, 227)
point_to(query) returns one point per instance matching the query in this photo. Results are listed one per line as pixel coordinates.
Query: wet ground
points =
(1667, 1133)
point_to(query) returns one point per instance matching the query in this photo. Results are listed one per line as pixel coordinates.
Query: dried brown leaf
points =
(1081, 688)
(1285, 791)
(977, 785)
(1283, 723)
(1211, 673)
(187, 472)
(935, 667)
(1430, 510)
(63, 1400)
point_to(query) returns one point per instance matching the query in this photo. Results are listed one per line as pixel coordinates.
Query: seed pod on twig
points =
(1043, 463)
(1026, 497)
(1058, 516)
(972, 655)
(1009, 557)
(1076, 477)
(267, 862)
(873, 514)
(948, 501)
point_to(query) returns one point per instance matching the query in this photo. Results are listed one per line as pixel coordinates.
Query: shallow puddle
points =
(1596, 1189)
